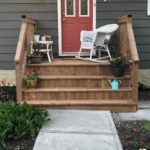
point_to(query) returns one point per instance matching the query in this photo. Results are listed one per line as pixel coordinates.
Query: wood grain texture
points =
(28, 24)
(72, 83)
(115, 106)
(127, 46)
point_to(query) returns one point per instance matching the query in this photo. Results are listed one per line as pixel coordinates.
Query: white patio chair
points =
(87, 39)
(104, 34)
(97, 40)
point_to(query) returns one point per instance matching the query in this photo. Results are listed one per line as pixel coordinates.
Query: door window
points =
(84, 8)
(69, 8)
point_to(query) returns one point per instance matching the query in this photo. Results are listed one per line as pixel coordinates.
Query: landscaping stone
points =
(144, 77)
(9, 75)
(141, 114)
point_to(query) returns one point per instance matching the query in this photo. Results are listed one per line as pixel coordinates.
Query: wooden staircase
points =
(79, 84)
(71, 83)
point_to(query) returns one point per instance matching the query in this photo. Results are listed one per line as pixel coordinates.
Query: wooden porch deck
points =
(72, 83)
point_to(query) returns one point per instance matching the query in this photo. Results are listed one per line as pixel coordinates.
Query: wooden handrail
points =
(28, 19)
(127, 46)
(21, 42)
(28, 27)
(22, 37)
(132, 43)
(126, 40)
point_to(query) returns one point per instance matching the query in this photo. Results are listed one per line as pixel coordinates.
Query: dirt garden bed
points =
(134, 134)
(23, 144)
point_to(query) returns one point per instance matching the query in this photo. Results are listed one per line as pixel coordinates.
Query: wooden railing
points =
(28, 27)
(127, 46)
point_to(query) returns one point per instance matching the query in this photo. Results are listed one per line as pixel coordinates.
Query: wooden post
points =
(127, 46)
(26, 34)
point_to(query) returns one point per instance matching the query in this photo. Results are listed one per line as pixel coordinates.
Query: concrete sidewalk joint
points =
(78, 130)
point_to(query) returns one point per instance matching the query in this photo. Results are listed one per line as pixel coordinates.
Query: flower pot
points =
(35, 59)
(118, 71)
(36, 37)
(31, 83)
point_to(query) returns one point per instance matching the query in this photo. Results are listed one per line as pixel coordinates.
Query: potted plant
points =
(37, 34)
(31, 80)
(118, 65)
(36, 56)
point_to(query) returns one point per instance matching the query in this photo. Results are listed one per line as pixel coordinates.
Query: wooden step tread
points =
(81, 102)
(82, 77)
(72, 62)
(64, 65)
(75, 90)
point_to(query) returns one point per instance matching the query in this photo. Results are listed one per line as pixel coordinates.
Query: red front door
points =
(77, 15)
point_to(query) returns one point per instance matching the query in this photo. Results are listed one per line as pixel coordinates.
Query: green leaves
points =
(147, 125)
(18, 121)
(119, 61)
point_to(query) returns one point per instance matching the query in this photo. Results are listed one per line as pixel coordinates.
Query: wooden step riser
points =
(72, 70)
(118, 107)
(98, 95)
(80, 83)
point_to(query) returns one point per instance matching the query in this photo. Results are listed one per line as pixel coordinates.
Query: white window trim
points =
(88, 9)
(74, 11)
(148, 7)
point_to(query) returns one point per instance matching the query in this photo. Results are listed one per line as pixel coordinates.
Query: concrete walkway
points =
(143, 113)
(78, 130)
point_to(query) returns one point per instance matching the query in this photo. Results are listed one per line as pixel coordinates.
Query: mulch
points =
(144, 92)
(22, 144)
(144, 95)
(133, 135)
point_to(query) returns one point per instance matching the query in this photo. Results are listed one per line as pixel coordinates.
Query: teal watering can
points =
(115, 84)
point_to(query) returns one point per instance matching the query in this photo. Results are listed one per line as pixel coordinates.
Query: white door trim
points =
(60, 28)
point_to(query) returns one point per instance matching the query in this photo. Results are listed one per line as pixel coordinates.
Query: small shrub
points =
(18, 121)
(147, 125)
(143, 87)
(135, 144)
(7, 93)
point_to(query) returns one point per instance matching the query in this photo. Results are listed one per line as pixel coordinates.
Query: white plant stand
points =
(48, 49)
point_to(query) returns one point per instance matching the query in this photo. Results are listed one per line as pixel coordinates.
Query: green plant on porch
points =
(118, 64)
(35, 56)
(37, 34)
(19, 120)
(119, 60)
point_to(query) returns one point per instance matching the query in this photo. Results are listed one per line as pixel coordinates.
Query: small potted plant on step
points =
(118, 65)
(36, 56)
(31, 80)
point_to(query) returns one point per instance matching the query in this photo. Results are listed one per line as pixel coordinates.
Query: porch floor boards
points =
(71, 61)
